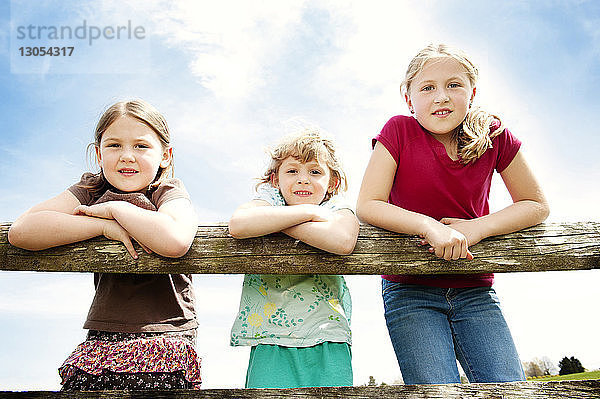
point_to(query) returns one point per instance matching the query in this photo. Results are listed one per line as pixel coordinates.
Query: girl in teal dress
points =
(298, 325)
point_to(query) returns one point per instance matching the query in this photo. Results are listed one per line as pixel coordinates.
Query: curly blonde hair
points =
(306, 145)
(474, 136)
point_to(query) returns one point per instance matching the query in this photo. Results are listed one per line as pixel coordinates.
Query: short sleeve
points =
(269, 194)
(507, 146)
(389, 137)
(80, 191)
(169, 190)
(337, 203)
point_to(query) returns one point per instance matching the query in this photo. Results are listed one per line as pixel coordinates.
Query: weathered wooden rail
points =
(513, 390)
(547, 247)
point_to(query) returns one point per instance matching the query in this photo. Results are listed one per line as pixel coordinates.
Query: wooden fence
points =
(547, 247)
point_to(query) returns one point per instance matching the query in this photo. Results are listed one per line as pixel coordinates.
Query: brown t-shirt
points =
(139, 302)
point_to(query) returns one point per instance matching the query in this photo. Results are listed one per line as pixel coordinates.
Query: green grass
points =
(589, 375)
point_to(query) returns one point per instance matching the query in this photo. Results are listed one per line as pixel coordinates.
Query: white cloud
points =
(230, 43)
(374, 51)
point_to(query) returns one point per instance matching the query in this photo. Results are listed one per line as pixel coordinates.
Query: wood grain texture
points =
(546, 247)
(515, 390)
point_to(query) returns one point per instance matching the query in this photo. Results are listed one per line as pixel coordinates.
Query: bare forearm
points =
(514, 217)
(393, 218)
(261, 220)
(337, 236)
(45, 229)
(529, 205)
(158, 231)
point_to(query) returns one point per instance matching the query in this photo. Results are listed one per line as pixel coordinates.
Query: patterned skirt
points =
(134, 361)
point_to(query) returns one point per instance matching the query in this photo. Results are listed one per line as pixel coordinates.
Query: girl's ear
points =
(274, 180)
(409, 103)
(473, 95)
(167, 157)
(98, 155)
(333, 185)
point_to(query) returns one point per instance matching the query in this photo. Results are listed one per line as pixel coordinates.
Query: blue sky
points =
(227, 82)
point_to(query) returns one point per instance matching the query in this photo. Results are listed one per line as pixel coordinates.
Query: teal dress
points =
(298, 325)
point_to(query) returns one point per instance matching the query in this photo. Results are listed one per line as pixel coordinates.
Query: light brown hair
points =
(474, 136)
(143, 112)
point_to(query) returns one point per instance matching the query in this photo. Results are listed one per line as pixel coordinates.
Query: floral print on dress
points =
(293, 310)
(104, 354)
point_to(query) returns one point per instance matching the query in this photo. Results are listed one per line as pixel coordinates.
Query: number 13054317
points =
(46, 51)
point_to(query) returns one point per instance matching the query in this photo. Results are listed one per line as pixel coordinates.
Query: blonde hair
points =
(148, 115)
(474, 136)
(306, 145)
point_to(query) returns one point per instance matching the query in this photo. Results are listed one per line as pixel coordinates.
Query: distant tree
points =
(564, 366)
(372, 381)
(532, 369)
(570, 366)
(539, 367)
(577, 366)
(547, 367)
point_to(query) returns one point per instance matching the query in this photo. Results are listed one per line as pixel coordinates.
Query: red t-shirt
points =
(427, 181)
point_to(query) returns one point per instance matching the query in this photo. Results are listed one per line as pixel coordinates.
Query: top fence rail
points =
(546, 247)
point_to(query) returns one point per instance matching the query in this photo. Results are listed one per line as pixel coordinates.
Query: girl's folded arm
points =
(338, 234)
(373, 208)
(52, 223)
(258, 218)
(168, 232)
(529, 206)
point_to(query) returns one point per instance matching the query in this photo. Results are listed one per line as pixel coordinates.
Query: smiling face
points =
(303, 183)
(440, 95)
(130, 154)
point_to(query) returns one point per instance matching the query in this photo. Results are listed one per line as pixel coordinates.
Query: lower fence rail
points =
(586, 389)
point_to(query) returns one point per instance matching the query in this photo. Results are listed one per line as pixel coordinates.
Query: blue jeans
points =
(431, 327)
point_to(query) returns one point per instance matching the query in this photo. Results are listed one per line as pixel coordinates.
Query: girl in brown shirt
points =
(142, 327)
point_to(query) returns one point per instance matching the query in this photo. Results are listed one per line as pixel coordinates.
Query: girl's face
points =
(303, 183)
(440, 95)
(130, 154)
